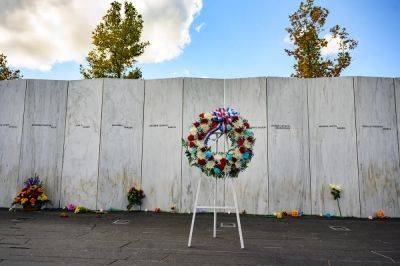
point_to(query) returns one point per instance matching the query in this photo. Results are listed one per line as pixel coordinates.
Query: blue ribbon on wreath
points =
(224, 117)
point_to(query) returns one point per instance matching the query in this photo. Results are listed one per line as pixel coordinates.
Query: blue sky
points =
(246, 39)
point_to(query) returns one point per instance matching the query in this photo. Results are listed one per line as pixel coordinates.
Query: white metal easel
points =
(215, 208)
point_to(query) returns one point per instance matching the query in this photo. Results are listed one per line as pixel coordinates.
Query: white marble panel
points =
(12, 97)
(333, 150)
(121, 141)
(82, 141)
(288, 150)
(200, 95)
(378, 153)
(248, 97)
(162, 133)
(43, 134)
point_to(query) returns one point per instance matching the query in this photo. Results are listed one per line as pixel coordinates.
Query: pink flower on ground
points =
(71, 207)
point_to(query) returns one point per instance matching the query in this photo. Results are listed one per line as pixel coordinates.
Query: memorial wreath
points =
(223, 121)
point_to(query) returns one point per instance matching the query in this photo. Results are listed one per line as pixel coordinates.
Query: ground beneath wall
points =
(146, 238)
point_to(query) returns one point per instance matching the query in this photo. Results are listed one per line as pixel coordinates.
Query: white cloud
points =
(184, 73)
(37, 34)
(333, 46)
(200, 26)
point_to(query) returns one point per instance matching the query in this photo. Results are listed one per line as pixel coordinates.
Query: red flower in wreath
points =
(240, 142)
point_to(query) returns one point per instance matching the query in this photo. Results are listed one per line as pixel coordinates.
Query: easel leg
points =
(194, 213)
(237, 214)
(215, 210)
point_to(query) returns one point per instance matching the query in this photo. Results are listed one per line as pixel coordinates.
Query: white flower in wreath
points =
(208, 115)
(237, 154)
(193, 130)
(247, 144)
(200, 155)
(218, 157)
(227, 169)
(199, 144)
(238, 123)
(210, 165)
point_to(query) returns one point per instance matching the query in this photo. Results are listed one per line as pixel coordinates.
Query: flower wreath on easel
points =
(220, 164)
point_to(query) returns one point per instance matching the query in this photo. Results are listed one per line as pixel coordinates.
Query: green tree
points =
(6, 72)
(116, 43)
(307, 24)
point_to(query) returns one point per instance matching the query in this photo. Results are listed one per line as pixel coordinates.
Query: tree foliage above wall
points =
(6, 72)
(307, 24)
(116, 43)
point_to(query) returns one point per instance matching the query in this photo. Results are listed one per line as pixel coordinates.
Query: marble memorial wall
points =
(43, 134)
(91, 140)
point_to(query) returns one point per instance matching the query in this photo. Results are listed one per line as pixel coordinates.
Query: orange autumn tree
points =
(306, 27)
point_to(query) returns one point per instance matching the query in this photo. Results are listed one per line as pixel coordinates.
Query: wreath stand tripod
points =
(215, 208)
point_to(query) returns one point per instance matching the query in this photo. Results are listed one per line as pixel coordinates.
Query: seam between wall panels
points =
(22, 134)
(63, 152)
(309, 148)
(266, 116)
(397, 132)
(141, 156)
(182, 97)
(98, 155)
(397, 128)
(358, 164)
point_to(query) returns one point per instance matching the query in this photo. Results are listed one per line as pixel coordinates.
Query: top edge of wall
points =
(208, 78)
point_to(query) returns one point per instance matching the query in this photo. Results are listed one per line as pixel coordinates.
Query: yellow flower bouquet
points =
(32, 195)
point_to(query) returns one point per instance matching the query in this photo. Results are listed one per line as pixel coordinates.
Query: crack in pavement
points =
(124, 245)
(379, 254)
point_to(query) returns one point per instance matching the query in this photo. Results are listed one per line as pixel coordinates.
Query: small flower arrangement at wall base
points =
(32, 196)
(296, 213)
(335, 191)
(81, 209)
(173, 208)
(380, 214)
(135, 196)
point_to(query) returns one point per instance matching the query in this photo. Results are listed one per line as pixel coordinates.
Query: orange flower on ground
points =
(295, 213)
(380, 214)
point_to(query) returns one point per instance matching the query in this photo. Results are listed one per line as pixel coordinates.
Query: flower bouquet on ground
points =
(32, 196)
(335, 191)
(135, 196)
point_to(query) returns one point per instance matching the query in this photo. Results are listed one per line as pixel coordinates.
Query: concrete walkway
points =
(43, 238)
